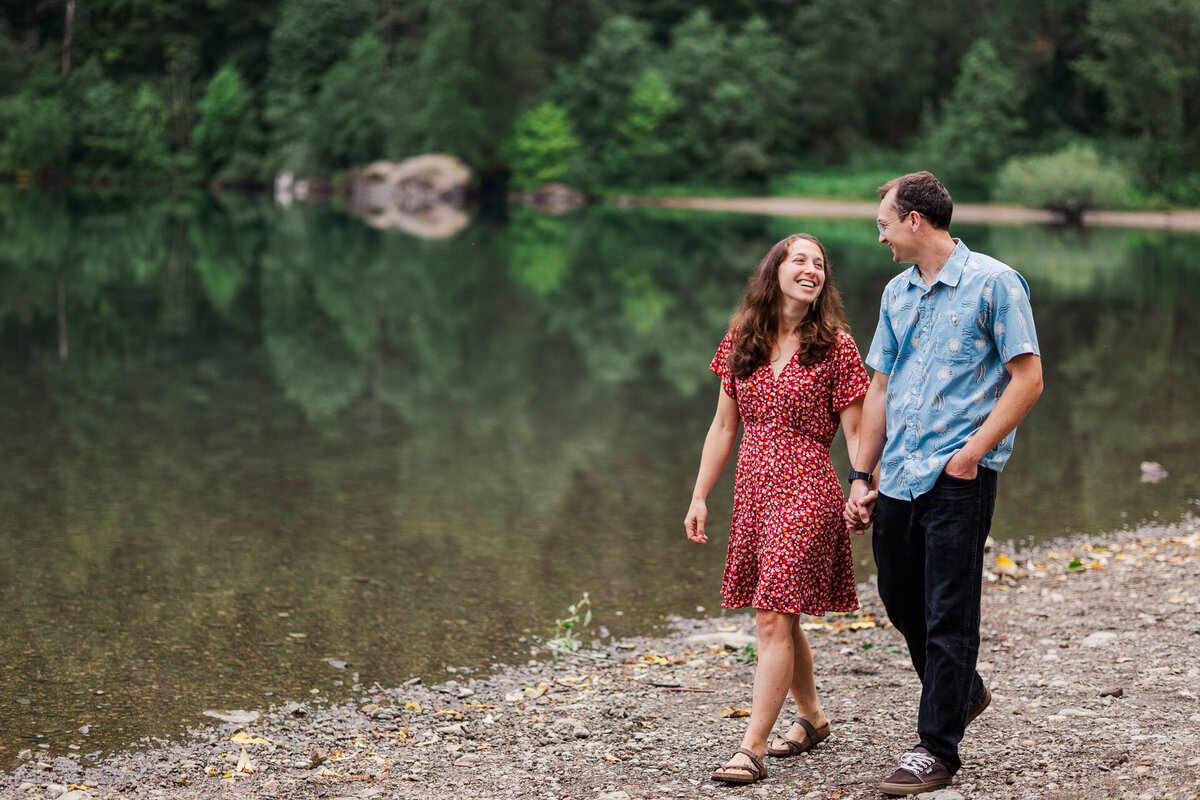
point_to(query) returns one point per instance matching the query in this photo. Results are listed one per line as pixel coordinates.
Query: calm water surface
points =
(240, 442)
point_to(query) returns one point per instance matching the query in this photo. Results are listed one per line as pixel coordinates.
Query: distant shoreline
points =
(963, 212)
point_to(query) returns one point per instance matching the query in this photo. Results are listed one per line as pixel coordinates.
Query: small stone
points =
(27, 787)
(1076, 712)
(234, 717)
(370, 708)
(613, 796)
(580, 732)
(469, 760)
(318, 757)
(25, 755)
(75, 794)
(55, 789)
(730, 640)
(942, 794)
(1115, 692)
(1011, 779)
(1100, 639)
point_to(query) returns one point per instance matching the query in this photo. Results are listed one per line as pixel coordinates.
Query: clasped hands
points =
(860, 508)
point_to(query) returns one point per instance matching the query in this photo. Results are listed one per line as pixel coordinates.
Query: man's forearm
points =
(873, 428)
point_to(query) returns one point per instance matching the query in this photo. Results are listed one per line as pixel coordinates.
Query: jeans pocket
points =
(953, 481)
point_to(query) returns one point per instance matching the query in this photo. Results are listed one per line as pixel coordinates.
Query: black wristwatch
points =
(855, 475)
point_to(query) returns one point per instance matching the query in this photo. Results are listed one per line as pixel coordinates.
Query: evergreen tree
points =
(350, 119)
(1147, 63)
(596, 91)
(225, 128)
(541, 146)
(978, 128)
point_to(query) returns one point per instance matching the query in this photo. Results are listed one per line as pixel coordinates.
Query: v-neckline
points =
(775, 377)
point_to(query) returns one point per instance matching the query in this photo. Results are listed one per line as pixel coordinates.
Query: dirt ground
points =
(1091, 646)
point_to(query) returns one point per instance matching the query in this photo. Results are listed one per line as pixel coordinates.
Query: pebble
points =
(470, 759)
(234, 717)
(613, 796)
(1099, 639)
(941, 794)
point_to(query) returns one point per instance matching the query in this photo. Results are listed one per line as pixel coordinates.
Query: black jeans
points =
(929, 554)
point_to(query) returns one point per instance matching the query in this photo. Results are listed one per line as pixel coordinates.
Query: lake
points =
(246, 445)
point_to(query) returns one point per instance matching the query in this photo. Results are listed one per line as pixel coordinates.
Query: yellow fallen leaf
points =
(861, 625)
(450, 714)
(480, 705)
(244, 764)
(729, 712)
(245, 738)
(728, 628)
(536, 691)
(1176, 600)
(412, 706)
(1004, 562)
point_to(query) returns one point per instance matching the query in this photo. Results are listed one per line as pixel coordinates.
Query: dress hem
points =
(830, 610)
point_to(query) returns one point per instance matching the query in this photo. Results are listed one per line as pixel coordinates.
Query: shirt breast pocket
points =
(959, 348)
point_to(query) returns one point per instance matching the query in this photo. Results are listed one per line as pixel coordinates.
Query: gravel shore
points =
(1091, 646)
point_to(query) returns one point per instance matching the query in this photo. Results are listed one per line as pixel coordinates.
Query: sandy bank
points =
(963, 212)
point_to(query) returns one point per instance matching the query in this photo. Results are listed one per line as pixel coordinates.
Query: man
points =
(957, 367)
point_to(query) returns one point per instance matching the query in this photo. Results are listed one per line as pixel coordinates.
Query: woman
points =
(789, 371)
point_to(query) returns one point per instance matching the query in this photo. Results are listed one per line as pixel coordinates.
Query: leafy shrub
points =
(1070, 180)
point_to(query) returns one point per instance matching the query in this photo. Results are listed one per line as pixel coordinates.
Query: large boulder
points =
(424, 195)
(411, 185)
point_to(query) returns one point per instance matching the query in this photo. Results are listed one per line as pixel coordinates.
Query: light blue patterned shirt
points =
(944, 348)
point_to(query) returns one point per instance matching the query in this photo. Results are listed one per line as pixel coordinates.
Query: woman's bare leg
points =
(803, 686)
(772, 679)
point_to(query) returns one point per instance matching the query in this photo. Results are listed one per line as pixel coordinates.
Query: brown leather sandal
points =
(753, 772)
(791, 747)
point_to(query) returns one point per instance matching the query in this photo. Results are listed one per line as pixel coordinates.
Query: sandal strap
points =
(809, 729)
(755, 769)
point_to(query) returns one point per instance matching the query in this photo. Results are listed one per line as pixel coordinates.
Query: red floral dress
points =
(788, 546)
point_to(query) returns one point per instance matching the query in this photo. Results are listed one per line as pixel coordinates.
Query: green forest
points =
(1000, 98)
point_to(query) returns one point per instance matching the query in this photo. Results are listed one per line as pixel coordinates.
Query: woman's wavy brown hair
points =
(756, 321)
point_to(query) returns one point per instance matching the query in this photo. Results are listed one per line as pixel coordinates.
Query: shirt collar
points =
(951, 271)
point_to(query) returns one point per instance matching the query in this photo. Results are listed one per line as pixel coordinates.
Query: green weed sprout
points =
(566, 638)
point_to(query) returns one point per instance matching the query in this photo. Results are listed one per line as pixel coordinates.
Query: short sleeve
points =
(884, 348)
(720, 364)
(850, 380)
(1012, 316)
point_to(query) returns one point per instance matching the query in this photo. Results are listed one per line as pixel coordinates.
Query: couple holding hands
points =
(956, 368)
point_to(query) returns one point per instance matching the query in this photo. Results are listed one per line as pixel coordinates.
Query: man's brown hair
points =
(923, 193)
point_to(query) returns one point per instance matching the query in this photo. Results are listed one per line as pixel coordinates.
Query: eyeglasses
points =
(882, 226)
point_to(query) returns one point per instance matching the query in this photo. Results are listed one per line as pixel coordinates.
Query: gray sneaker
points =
(919, 771)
